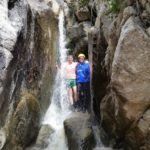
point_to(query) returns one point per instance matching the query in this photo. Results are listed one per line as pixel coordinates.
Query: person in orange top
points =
(70, 75)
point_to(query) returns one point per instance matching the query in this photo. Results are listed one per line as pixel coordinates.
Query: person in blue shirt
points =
(83, 83)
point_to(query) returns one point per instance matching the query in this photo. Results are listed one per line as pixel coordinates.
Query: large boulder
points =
(131, 68)
(76, 32)
(83, 14)
(79, 132)
(25, 122)
(43, 136)
(128, 100)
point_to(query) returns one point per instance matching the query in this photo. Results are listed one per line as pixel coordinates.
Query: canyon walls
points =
(116, 34)
(28, 47)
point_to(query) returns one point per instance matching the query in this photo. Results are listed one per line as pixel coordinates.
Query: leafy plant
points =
(70, 51)
(114, 5)
(84, 2)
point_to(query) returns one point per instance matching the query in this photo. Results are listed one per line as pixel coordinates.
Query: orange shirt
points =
(70, 70)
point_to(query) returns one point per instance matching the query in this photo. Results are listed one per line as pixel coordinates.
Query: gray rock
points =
(79, 132)
(83, 14)
(5, 58)
(126, 68)
(129, 11)
(43, 136)
(8, 33)
(144, 15)
(148, 7)
(76, 32)
(144, 122)
(143, 3)
(10, 26)
(86, 27)
(129, 97)
(148, 31)
(102, 148)
(42, 140)
(24, 125)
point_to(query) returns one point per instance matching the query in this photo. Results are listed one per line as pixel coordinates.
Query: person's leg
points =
(79, 96)
(75, 93)
(75, 97)
(84, 97)
(88, 97)
(70, 94)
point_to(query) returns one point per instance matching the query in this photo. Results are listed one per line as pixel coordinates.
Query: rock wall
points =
(117, 41)
(28, 47)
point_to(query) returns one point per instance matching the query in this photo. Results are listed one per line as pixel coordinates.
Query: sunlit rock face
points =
(11, 24)
(28, 46)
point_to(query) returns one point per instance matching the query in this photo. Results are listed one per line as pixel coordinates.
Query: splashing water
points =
(58, 110)
(2, 138)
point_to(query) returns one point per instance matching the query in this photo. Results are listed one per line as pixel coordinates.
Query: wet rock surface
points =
(24, 124)
(2, 138)
(43, 136)
(42, 140)
(83, 14)
(78, 129)
(9, 29)
(103, 148)
(118, 45)
(24, 62)
(27, 64)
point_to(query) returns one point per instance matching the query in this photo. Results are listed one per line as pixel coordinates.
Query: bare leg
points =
(75, 93)
(70, 93)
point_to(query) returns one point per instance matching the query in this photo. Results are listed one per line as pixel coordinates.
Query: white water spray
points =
(58, 110)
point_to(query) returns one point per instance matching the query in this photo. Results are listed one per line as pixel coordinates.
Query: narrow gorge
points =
(36, 35)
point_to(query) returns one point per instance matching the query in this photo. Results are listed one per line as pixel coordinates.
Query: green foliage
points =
(84, 3)
(114, 5)
(70, 51)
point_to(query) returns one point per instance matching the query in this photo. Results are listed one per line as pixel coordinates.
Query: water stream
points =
(58, 109)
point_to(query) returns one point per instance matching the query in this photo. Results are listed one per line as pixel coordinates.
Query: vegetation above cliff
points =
(83, 2)
(114, 5)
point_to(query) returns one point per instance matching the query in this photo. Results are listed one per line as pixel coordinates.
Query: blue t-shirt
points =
(83, 72)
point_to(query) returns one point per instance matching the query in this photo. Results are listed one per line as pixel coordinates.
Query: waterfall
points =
(58, 109)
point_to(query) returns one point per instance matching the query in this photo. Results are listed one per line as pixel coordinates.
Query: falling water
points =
(58, 110)
(2, 138)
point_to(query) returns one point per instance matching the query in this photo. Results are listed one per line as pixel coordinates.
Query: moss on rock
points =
(24, 126)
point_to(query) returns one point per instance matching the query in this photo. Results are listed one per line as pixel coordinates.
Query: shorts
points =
(71, 83)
